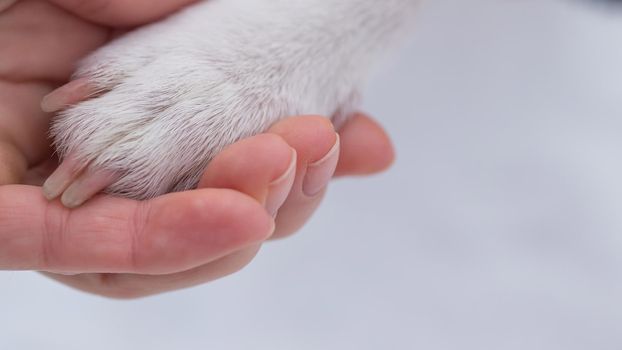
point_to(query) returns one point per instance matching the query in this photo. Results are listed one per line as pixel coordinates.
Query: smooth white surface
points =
(498, 228)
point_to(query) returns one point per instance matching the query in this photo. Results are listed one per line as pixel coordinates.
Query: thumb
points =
(13, 165)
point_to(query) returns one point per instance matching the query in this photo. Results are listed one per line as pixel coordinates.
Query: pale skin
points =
(122, 248)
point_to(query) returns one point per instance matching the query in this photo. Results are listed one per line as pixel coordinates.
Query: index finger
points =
(169, 234)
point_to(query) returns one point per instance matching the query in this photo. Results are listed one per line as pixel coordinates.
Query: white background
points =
(498, 228)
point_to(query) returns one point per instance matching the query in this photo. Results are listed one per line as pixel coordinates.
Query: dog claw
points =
(88, 184)
(67, 95)
(75, 182)
(62, 177)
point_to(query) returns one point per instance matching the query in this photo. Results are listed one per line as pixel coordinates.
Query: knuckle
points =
(55, 225)
(137, 232)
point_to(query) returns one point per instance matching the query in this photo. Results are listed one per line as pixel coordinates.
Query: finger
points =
(125, 286)
(365, 147)
(13, 164)
(317, 147)
(22, 123)
(169, 234)
(41, 41)
(262, 167)
(122, 13)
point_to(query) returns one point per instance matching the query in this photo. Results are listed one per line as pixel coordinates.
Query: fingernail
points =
(279, 189)
(5, 4)
(319, 173)
(66, 95)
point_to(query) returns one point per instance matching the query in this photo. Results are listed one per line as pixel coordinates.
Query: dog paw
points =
(145, 114)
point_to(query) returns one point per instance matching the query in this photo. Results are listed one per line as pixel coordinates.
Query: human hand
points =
(124, 248)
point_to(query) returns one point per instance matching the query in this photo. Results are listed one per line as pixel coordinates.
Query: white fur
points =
(178, 91)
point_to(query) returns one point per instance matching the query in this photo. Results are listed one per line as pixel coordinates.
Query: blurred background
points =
(499, 227)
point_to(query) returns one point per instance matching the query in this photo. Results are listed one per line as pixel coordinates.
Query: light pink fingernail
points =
(66, 95)
(319, 173)
(279, 189)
